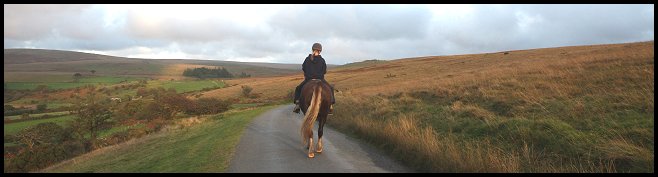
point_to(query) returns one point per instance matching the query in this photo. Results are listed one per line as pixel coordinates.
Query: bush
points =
(9, 108)
(18, 112)
(207, 106)
(117, 138)
(25, 116)
(41, 145)
(41, 107)
(142, 92)
(246, 90)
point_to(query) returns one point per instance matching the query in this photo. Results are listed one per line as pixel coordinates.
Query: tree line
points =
(216, 72)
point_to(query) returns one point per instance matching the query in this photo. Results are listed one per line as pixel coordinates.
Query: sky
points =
(348, 33)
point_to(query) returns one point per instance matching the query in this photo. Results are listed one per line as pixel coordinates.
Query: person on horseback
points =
(314, 67)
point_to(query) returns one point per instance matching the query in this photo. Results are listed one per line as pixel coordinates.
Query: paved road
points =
(272, 143)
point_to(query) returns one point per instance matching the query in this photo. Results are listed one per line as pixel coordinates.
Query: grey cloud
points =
(495, 28)
(206, 30)
(364, 22)
(26, 22)
(66, 27)
(583, 24)
(348, 33)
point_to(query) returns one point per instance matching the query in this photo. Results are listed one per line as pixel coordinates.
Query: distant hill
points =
(25, 65)
(362, 63)
(19, 56)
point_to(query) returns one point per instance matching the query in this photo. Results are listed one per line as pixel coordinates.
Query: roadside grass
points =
(205, 147)
(578, 117)
(587, 114)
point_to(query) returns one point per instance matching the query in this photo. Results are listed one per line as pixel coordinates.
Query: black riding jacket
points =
(314, 69)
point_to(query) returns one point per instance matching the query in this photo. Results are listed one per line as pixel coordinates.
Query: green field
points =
(206, 147)
(13, 128)
(37, 115)
(57, 105)
(37, 77)
(68, 84)
(186, 86)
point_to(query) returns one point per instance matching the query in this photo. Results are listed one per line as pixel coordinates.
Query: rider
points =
(314, 67)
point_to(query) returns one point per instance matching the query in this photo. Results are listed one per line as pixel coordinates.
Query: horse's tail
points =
(311, 115)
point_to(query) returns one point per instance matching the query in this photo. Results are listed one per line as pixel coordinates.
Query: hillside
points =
(565, 109)
(32, 65)
(431, 72)
(18, 56)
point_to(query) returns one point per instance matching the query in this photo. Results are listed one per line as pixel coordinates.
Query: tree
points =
(204, 72)
(135, 109)
(243, 74)
(41, 146)
(77, 77)
(93, 71)
(42, 134)
(92, 117)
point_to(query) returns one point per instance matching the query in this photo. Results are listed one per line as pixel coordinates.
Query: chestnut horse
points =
(315, 102)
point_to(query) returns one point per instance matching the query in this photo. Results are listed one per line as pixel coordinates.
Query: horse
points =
(315, 102)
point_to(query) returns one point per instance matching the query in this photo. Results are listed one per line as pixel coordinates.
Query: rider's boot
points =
(331, 110)
(297, 108)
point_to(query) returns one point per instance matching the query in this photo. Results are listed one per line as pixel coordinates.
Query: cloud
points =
(349, 33)
(68, 27)
(364, 22)
(26, 22)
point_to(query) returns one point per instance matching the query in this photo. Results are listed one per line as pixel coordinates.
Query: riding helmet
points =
(317, 46)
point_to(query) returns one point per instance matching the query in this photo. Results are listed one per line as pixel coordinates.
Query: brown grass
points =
(175, 71)
(571, 109)
(442, 71)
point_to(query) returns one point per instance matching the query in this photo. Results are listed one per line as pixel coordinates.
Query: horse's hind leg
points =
(323, 119)
(310, 148)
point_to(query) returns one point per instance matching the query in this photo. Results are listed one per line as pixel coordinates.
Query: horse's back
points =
(310, 87)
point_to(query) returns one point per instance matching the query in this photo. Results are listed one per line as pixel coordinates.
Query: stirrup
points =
(331, 110)
(296, 109)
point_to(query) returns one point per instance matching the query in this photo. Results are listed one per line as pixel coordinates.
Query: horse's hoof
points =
(311, 155)
(319, 151)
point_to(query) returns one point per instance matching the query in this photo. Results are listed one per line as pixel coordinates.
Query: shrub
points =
(25, 116)
(246, 90)
(42, 145)
(41, 107)
(207, 106)
(142, 92)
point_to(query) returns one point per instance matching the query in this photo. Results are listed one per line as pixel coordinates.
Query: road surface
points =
(272, 144)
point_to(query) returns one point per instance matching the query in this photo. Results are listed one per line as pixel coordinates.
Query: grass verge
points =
(206, 147)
